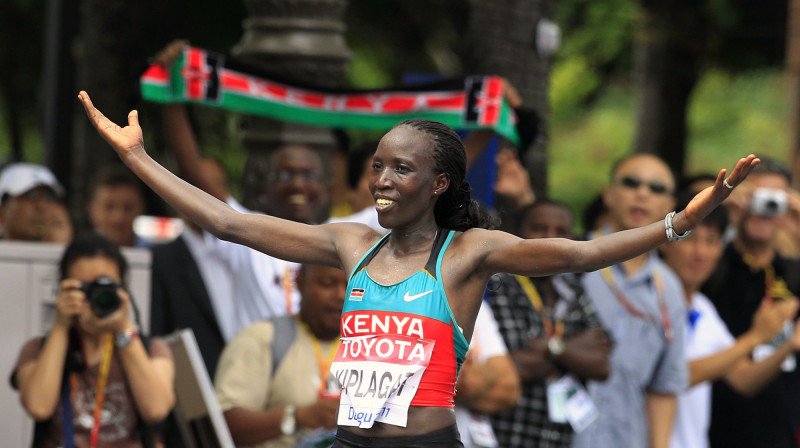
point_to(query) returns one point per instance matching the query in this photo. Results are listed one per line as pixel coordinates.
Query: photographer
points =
(90, 382)
(750, 270)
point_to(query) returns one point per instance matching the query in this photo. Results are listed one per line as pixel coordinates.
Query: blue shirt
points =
(642, 359)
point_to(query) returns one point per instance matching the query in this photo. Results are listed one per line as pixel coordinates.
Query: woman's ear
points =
(440, 184)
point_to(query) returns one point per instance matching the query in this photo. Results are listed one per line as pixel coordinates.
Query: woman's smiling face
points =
(402, 179)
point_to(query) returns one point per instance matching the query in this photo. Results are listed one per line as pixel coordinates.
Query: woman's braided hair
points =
(455, 209)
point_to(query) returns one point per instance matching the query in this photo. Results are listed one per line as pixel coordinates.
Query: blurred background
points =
(699, 82)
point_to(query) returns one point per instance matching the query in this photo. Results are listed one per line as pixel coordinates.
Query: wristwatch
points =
(288, 422)
(555, 345)
(124, 338)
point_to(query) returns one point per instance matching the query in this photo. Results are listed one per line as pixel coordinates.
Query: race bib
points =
(379, 376)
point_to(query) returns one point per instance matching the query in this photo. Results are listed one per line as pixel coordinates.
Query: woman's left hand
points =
(708, 199)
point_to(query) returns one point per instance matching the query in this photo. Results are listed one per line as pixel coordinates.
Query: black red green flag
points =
(211, 79)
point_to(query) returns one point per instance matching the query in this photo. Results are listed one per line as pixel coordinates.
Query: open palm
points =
(124, 140)
(705, 201)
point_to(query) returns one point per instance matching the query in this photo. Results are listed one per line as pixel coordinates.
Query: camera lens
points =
(103, 297)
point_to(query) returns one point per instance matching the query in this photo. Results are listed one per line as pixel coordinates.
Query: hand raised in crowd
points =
(127, 141)
(706, 200)
(321, 414)
(167, 56)
(738, 202)
(513, 181)
(771, 315)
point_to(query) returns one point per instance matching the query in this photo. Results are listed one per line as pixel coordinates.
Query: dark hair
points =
(116, 176)
(356, 161)
(619, 162)
(90, 245)
(591, 214)
(540, 202)
(772, 166)
(455, 209)
(686, 183)
(718, 218)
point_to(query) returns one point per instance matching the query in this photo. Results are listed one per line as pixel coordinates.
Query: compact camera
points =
(102, 296)
(769, 202)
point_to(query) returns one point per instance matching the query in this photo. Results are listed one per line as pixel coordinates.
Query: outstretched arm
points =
(505, 253)
(277, 237)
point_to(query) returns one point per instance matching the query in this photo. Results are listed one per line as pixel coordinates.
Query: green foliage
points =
(597, 38)
(729, 117)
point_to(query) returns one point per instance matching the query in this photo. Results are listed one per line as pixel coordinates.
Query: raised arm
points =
(277, 237)
(506, 253)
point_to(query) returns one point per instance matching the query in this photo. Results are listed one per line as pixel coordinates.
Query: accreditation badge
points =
(379, 376)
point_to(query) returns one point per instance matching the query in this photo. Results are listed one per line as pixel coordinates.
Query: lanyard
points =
(287, 290)
(536, 300)
(323, 363)
(99, 396)
(666, 325)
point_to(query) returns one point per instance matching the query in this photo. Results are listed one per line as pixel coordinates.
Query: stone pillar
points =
(299, 41)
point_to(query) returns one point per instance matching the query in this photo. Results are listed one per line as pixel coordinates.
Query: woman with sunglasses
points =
(413, 294)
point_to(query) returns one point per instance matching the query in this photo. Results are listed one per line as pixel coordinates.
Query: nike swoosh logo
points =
(410, 298)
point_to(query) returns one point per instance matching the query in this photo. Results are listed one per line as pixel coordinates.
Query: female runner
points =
(414, 294)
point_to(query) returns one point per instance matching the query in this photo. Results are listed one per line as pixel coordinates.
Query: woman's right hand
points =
(127, 141)
(70, 301)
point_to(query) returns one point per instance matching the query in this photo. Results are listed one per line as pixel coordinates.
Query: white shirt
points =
(243, 284)
(707, 336)
(486, 343)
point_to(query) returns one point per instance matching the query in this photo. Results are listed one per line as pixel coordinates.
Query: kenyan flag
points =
(203, 77)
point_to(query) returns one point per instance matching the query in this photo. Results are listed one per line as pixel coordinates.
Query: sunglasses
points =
(634, 183)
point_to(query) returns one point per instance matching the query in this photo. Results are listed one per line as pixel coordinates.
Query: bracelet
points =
(671, 235)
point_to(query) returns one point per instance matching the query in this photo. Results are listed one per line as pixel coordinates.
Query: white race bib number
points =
(379, 376)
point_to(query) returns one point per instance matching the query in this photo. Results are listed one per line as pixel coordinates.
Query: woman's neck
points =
(412, 239)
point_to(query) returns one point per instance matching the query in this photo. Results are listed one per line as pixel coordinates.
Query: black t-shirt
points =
(771, 418)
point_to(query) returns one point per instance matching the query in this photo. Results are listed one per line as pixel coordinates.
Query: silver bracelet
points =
(671, 235)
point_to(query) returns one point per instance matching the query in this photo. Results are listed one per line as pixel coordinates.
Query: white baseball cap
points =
(19, 178)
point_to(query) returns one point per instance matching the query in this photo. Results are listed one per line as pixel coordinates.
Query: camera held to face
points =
(102, 296)
(769, 202)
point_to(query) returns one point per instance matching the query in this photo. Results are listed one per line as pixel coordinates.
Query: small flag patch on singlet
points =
(356, 294)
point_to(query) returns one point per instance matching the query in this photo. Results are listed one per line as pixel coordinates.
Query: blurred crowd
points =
(691, 346)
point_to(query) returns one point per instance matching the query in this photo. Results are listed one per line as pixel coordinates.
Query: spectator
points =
(63, 383)
(273, 382)
(58, 228)
(242, 285)
(750, 270)
(641, 302)
(115, 200)
(27, 192)
(710, 349)
(488, 383)
(533, 311)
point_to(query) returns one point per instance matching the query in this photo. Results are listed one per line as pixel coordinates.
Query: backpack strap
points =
(284, 334)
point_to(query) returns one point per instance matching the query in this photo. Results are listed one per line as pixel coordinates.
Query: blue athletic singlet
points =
(416, 307)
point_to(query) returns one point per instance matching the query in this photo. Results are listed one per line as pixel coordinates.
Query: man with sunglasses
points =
(29, 194)
(641, 302)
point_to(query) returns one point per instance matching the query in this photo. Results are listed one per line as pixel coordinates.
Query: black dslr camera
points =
(102, 296)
